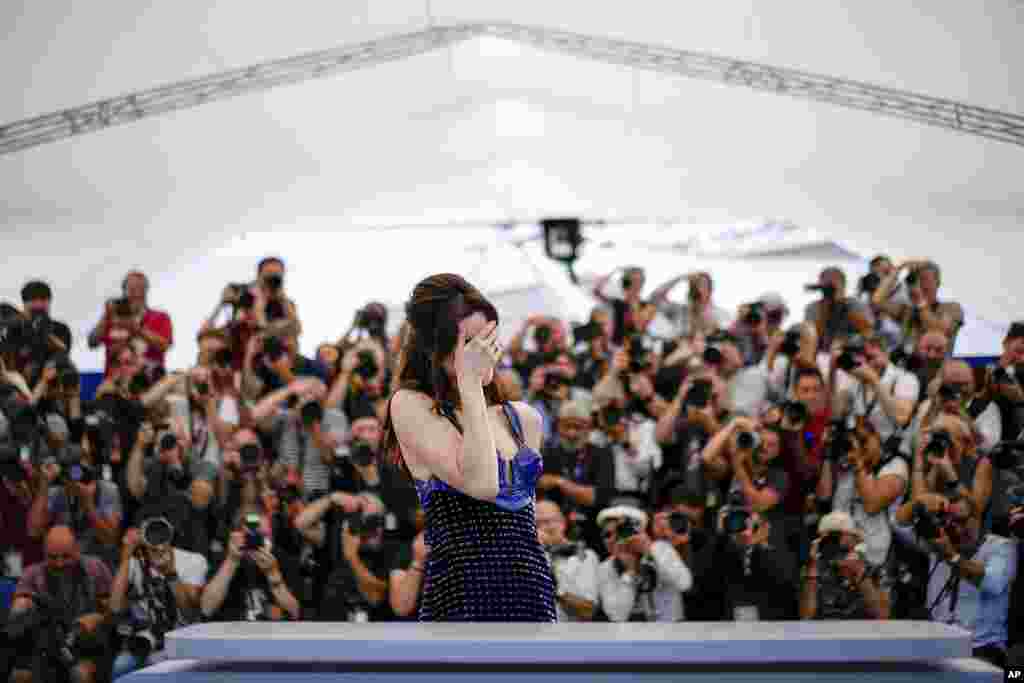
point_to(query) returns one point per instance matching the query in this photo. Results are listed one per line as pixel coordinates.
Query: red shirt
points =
(157, 322)
(803, 473)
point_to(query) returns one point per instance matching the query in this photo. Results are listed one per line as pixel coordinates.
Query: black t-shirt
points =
(342, 599)
(249, 597)
(393, 487)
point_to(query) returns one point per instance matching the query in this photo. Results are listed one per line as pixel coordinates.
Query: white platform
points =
(547, 644)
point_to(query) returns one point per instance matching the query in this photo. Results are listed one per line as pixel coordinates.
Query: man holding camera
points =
(36, 297)
(550, 386)
(58, 620)
(970, 572)
(1005, 381)
(356, 589)
(924, 313)
(835, 315)
(839, 582)
(272, 361)
(256, 581)
(699, 315)
(884, 394)
(573, 564)
(76, 497)
(757, 324)
(156, 589)
(363, 471)
(642, 579)
(578, 474)
(129, 321)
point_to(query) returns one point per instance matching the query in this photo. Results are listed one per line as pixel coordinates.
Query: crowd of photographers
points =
(756, 466)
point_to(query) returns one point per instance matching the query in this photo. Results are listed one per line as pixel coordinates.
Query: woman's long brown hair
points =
(437, 305)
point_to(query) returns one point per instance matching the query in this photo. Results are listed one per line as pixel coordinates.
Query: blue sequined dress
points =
(485, 562)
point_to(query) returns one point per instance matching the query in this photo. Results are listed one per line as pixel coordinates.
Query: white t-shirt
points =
(634, 469)
(191, 568)
(876, 529)
(576, 575)
(782, 383)
(895, 382)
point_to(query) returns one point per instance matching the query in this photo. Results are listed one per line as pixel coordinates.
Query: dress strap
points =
(513, 419)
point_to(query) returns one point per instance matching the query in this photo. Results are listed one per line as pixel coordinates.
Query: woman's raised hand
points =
(475, 356)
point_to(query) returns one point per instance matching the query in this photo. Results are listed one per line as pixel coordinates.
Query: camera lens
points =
(168, 442)
(157, 532)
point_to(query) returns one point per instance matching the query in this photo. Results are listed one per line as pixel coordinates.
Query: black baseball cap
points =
(1016, 330)
(36, 289)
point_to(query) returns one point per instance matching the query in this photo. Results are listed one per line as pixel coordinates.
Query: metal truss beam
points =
(949, 114)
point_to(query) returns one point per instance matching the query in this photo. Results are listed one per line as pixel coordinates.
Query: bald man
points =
(573, 565)
(77, 586)
(956, 394)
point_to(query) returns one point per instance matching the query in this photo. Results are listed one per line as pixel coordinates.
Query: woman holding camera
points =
(474, 460)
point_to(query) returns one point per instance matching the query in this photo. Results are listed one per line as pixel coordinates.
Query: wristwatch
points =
(954, 561)
(172, 577)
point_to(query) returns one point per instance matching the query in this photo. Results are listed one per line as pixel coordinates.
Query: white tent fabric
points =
(488, 131)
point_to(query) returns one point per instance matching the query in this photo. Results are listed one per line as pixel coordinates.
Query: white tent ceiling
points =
(490, 130)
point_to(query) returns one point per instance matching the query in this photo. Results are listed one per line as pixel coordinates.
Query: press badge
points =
(359, 616)
(745, 613)
(108, 474)
(390, 522)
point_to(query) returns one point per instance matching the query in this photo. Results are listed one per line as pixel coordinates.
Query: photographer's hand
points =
(344, 501)
(549, 481)
(266, 562)
(129, 544)
(163, 561)
(350, 543)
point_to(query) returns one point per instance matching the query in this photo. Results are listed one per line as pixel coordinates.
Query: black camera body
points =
(136, 629)
(250, 457)
(939, 443)
(928, 524)
(827, 291)
(679, 523)
(365, 525)
(754, 314)
(848, 359)
(870, 283)
(254, 539)
(542, 335)
(795, 412)
(839, 445)
(699, 394)
(273, 348)
(790, 345)
(831, 549)
(361, 453)
(1007, 455)
(748, 441)
(627, 528)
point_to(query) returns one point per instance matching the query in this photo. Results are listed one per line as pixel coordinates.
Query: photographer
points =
(757, 324)
(924, 313)
(579, 476)
(757, 577)
(573, 565)
(630, 379)
(642, 580)
(951, 465)
(307, 438)
(58, 619)
(880, 268)
(156, 590)
(699, 315)
(970, 572)
(362, 470)
(36, 297)
(75, 497)
(592, 348)
(838, 582)
(158, 470)
(18, 549)
(835, 315)
(550, 386)
(635, 453)
(361, 376)
(255, 581)
(1004, 382)
(548, 340)
(129, 321)
(270, 302)
(357, 584)
(272, 362)
(630, 314)
(884, 394)
(749, 453)
(405, 583)
(953, 393)
(867, 478)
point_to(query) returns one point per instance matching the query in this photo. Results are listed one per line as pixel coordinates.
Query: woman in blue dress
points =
(474, 459)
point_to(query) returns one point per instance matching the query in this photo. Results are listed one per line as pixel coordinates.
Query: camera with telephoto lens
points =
(790, 345)
(367, 367)
(554, 380)
(950, 392)
(361, 453)
(839, 445)
(639, 355)
(156, 531)
(748, 441)
(135, 628)
(699, 394)
(736, 520)
(168, 442)
(912, 278)
(939, 443)
(626, 529)
(679, 523)
(273, 349)
(870, 282)
(754, 314)
(831, 550)
(54, 639)
(250, 457)
(365, 525)
(371, 320)
(223, 358)
(712, 356)
(928, 524)
(848, 359)
(273, 282)
(541, 335)
(311, 413)
(73, 470)
(610, 416)
(1007, 455)
(795, 412)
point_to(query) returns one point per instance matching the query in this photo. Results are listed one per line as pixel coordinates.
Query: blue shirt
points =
(982, 610)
